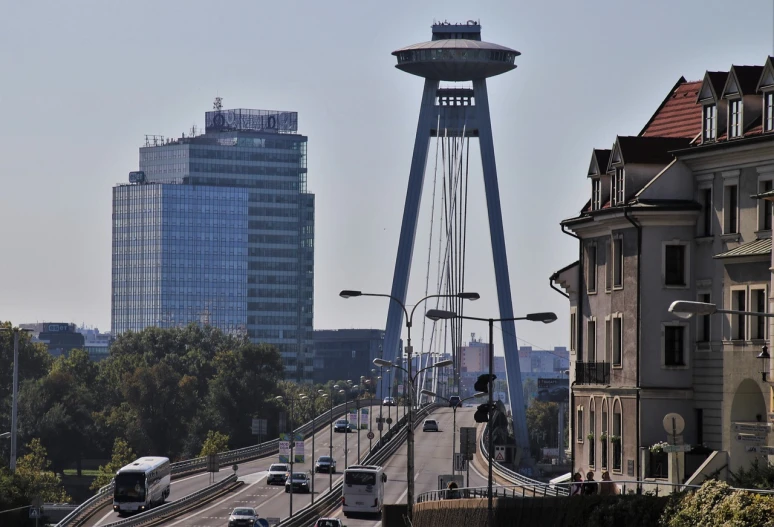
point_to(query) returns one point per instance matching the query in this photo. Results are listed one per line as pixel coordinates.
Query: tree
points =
(214, 444)
(122, 456)
(34, 477)
(542, 423)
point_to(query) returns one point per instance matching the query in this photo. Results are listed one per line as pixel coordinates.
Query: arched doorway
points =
(748, 406)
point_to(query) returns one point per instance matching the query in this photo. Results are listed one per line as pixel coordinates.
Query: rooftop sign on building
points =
(242, 119)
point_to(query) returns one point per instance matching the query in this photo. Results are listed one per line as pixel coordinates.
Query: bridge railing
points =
(199, 464)
(378, 455)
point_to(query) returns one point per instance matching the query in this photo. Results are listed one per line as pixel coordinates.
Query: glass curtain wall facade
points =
(219, 230)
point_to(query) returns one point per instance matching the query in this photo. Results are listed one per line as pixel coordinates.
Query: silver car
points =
(242, 517)
(430, 425)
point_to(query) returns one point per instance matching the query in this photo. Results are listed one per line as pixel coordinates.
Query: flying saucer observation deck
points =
(456, 59)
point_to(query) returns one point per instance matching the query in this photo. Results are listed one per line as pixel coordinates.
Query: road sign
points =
(460, 463)
(388, 420)
(273, 521)
(499, 454)
(379, 426)
(34, 512)
(213, 464)
(673, 423)
(468, 439)
(754, 427)
(263, 522)
(259, 427)
(445, 479)
(677, 448)
(749, 438)
(370, 435)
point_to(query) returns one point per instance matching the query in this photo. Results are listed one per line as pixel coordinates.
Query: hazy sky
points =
(82, 82)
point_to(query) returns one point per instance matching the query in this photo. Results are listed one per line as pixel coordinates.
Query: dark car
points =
(430, 425)
(325, 464)
(300, 481)
(343, 426)
(277, 473)
(454, 401)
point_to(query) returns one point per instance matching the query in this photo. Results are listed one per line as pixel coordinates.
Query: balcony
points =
(592, 373)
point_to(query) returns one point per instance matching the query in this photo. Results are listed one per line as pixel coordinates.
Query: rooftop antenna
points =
(218, 104)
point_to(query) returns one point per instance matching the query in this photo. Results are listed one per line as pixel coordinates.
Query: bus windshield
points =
(130, 486)
(360, 478)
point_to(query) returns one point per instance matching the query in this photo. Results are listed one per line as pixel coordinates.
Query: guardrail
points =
(199, 464)
(174, 508)
(384, 448)
(520, 479)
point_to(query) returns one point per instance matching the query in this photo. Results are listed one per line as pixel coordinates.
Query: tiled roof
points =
(650, 150)
(760, 247)
(748, 77)
(678, 115)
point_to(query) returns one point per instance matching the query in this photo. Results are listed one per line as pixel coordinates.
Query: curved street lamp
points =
(281, 398)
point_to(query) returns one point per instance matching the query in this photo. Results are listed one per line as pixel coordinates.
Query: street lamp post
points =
(409, 350)
(312, 397)
(292, 442)
(330, 444)
(15, 394)
(454, 419)
(345, 392)
(546, 318)
(357, 419)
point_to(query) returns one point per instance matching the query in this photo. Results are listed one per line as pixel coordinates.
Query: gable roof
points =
(767, 75)
(742, 80)
(712, 85)
(599, 161)
(678, 115)
(647, 150)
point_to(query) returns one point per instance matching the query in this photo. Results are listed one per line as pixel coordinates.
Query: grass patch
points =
(84, 472)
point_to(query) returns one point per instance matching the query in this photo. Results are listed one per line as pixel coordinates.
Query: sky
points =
(81, 82)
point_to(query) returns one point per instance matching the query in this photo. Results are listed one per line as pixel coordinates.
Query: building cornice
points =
(751, 152)
(604, 224)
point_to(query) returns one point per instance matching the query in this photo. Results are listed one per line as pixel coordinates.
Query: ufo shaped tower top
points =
(456, 53)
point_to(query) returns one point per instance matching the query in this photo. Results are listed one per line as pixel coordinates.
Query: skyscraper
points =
(218, 228)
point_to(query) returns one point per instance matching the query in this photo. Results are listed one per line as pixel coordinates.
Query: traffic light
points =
(482, 413)
(482, 384)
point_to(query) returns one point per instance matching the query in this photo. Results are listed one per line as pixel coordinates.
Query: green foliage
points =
(34, 477)
(758, 476)
(122, 456)
(214, 444)
(542, 422)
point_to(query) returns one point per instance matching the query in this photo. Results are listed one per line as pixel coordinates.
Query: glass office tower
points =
(218, 228)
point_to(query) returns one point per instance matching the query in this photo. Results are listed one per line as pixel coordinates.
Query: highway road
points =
(255, 492)
(432, 457)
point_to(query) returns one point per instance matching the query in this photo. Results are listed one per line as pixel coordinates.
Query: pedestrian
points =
(589, 486)
(607, 487)
(577, 484)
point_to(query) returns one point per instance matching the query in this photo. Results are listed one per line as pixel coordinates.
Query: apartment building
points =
(673, 215)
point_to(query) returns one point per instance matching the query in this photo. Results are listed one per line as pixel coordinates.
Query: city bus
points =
(363, 490)
(141, 484)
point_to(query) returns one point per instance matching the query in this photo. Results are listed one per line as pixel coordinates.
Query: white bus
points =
(141, 484)
(363, 490)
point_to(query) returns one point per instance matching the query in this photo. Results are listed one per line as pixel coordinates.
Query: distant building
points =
(59, 337)
(97, 344)
(342, 354)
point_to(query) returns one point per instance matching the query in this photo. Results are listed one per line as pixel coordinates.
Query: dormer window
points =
(768, 111)
(596, 194)
(710, 122)
(618, 187)
(735, 118)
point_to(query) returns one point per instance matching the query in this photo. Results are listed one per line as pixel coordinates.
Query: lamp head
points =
(469, 296)
(278, 398)
(545, 318)
(440, 314)
(349, 294)
(428, 392)
(686, 309)
(382, 362)
(443, 363)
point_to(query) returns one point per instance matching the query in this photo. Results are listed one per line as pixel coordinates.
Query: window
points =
(730, 209)
(710, 120)
(675, 265)
(735, 118)
(674, 348)
(617, 340)
(579, 425)
(591, 268)
(617, 194)
(608, 255)
(618, 262)
(604, 434)
(573, 329)
(758, 304)
(617, 433)
(592, 436)
(596, 194)
(768, 102)
(738, 303)
(608, 339)
(703, 321)
(707, 210)
(764, 205)
(591, 344)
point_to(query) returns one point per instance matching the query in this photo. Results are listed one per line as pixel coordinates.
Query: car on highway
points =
(328, 522)
(243, 516)
(389, 401)
(343, 426)
(277, 473)
(430, 425)
(325, 464)
(454, 401)
(300, 482)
